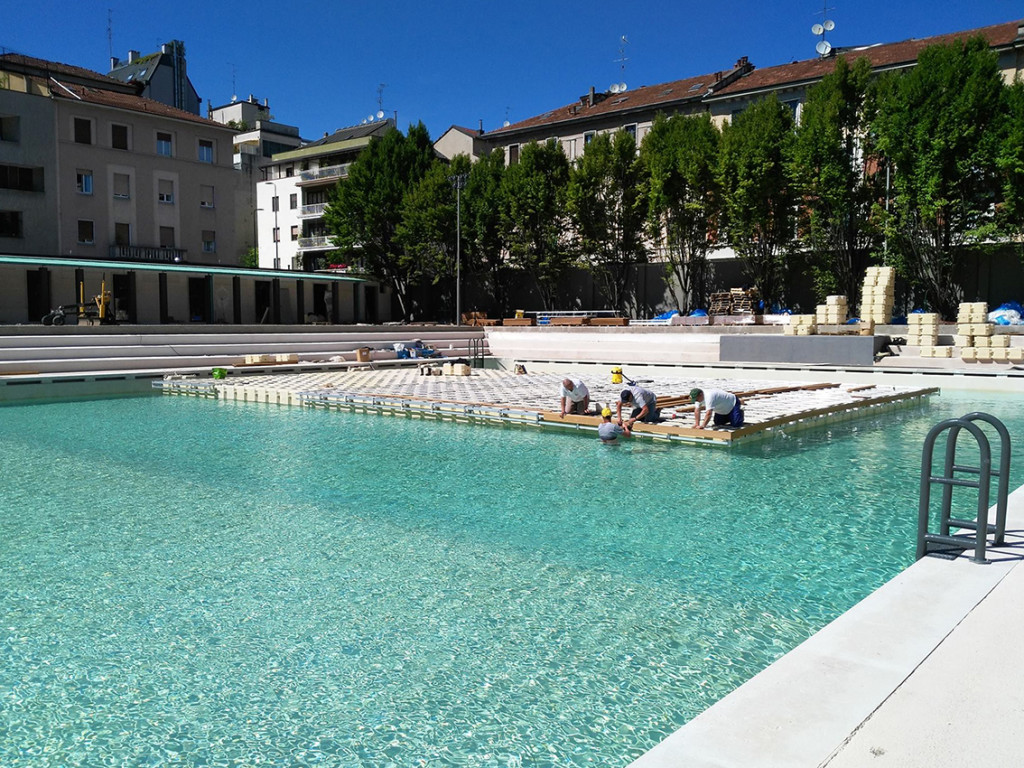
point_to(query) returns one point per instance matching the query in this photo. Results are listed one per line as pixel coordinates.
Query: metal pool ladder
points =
(948, 480)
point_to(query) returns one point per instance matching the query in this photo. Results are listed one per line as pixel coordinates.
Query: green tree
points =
(534, 216)
(427, 231)
(1011, 162)
(605, 207)
(680, 157)
(365, 209)
(251, 258)
(758, 201)
(483, 243)
(827, 167)
(940, 127)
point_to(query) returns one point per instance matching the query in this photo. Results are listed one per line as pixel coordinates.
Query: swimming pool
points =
(203, 583)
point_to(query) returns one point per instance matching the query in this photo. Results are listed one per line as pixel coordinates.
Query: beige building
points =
(721, 93)
(88, 169)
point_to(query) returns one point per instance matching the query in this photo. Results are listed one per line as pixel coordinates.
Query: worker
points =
(644, 405)
(724, 406)
(575, 398)
(608, 430)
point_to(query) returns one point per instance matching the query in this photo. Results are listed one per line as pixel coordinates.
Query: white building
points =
(290, 201)
(257, 140)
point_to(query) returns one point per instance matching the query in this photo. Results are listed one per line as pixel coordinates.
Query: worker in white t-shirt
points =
(723, 406)
(575, 397)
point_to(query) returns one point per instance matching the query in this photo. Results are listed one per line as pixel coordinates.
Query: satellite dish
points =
(829, 25)
(369, 118)
(823, 48)
(380, 115)
(506, 124)
(817, 29)
(622, 87)
(613, 88)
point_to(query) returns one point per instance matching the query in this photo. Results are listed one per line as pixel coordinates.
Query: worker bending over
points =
(724, 406)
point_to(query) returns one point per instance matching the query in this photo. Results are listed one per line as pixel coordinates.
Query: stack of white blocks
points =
(801, 325)
(977, 339)
(923, 332)
(832, 312)
(877, 297)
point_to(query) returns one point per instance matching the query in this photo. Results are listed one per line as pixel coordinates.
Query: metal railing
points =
(147, 253)
(926, 541)
(315, 242)
(326, 173)
(309, 211)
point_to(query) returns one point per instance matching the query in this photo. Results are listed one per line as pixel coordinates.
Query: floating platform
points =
(493, 396)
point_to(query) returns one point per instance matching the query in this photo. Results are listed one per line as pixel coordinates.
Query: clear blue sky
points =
(451, 61)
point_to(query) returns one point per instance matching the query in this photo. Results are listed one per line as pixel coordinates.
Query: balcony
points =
(312, 211)
(315, 243)
(323, 175)
(148, 253)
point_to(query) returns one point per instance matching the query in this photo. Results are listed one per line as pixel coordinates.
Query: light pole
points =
(458, 181)
(275, 204)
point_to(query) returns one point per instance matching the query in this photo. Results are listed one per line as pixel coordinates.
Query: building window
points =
(274, 204)
(119, 136)
(17, 177)
(83, 130)
(83, 182)
(10, 224)
(277, 235)
(86, 232)
(10, 126)
(209, 241)
(166, 237)
(513, 154)
(165, 191)
(588, 137)
(206, 196)
(630, 129)
(289, 171)
(122, 233)
(122, 186)
(164, 144)
(293, 201)
(295, 232)
(205, 151)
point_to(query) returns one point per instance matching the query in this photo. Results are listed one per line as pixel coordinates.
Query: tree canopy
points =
(364, 210)
(605, 207)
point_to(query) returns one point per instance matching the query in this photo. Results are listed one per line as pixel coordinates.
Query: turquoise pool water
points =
(196, 583)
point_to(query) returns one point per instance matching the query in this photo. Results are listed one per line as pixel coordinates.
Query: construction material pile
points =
(877, 296)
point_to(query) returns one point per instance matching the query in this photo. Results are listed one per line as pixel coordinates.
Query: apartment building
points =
(723, 94)
(258, 137)
(88, 169)
(292, 197)
(160, 76)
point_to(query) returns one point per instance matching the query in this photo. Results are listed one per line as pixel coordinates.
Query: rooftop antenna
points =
(620, 87)
(380, 96)
(110, 33)
(506, 124)
(234, 90)
(823, 47)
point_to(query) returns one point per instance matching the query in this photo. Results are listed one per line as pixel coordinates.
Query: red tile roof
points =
(881, 56)
(28, 64)
(665, 94)
(128, 101)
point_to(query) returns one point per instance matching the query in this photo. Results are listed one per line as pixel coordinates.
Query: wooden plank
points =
(609, 321)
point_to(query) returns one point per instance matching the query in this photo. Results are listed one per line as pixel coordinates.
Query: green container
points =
(220, 373)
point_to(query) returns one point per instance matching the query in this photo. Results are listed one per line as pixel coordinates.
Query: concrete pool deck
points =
(915, 675)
